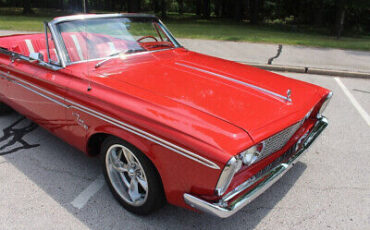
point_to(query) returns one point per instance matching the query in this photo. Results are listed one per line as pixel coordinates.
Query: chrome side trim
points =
(146, 135)
(268, 92)
(115, 122)
(42, 95)
(34, 86)
(252, 189)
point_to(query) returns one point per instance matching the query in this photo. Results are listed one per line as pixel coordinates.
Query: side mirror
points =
(36, 57)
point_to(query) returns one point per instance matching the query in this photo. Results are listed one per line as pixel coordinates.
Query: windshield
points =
(101, 38)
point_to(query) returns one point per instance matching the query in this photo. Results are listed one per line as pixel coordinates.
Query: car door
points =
(37, 90)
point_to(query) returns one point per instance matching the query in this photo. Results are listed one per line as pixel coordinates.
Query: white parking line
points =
(354, 102)
(81, 200)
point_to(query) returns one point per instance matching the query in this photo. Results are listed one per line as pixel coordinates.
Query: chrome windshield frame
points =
(60, 45)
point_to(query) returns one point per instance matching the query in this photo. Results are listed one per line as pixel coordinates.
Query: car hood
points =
(244, 96)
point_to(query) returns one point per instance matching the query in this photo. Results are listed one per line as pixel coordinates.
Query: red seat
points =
(80, 46)
(31, 43)
(85, 46)
(76, 46)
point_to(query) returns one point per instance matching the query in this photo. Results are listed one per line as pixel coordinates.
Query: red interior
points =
(84, 46)
(23, 44)
(80, 46)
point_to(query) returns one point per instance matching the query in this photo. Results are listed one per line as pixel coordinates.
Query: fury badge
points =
(80, 122)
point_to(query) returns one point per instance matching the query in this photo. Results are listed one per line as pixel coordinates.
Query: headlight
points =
(232, 167)
(247, 157)
(324, 105)
(252, 154)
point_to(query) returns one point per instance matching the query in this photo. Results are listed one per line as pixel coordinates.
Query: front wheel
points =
(131, 177)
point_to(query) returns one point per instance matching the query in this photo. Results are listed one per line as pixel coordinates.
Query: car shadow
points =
(63, 172)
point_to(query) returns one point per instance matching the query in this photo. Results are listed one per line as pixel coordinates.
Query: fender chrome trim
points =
(225, 207)
(71, 104)
(268, 92)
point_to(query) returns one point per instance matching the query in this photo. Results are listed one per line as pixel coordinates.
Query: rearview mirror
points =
(36, 57)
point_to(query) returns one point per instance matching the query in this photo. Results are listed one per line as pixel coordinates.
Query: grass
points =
(264, 34)
(191, 27)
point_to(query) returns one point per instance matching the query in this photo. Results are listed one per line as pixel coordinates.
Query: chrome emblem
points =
(288, 94)
(80, 122)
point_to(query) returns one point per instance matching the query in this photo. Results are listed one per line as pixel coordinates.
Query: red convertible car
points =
(169, 124)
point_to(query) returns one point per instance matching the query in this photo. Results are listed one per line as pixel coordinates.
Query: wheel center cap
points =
(131, 171)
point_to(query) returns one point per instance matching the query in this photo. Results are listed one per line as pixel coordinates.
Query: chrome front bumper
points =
(224, 208)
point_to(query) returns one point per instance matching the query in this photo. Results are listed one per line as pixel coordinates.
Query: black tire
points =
(155, 198)
(4, 108)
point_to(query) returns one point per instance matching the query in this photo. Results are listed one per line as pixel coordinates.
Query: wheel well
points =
(94, 143)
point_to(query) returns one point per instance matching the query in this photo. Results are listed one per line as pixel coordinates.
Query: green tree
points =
(27, 7)
(163, 8)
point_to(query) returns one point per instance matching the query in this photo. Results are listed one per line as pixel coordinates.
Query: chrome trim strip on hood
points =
(285, 98)
(132, 129)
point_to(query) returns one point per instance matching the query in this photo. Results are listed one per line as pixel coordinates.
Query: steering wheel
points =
(145, 37)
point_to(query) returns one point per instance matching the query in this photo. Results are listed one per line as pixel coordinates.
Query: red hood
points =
(235, 93)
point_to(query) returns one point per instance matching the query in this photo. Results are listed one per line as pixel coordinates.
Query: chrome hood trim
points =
(265, 91)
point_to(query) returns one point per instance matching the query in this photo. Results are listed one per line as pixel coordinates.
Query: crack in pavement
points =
(280, 48)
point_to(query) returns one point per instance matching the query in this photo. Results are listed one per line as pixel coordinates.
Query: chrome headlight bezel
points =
(324, 105)
(232, 167)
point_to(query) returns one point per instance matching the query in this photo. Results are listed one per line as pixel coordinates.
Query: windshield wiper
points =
(110, 57)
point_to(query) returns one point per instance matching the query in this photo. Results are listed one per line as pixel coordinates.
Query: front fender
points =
(178, 173)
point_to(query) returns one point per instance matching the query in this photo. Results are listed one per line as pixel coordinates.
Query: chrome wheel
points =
(126, 175)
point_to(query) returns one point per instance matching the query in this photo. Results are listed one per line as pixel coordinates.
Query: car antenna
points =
(87, 58)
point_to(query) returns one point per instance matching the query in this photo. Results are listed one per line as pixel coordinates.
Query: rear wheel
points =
(131, 177)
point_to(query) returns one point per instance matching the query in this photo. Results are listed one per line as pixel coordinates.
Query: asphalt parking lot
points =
(45, 183)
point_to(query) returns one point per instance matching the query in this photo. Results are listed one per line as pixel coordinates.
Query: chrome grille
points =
(276, 162)
(278, 141)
